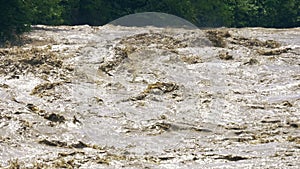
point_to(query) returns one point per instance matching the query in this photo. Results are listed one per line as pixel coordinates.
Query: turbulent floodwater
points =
(120, 97)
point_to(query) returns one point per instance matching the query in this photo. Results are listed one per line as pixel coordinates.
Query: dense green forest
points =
(16, 16)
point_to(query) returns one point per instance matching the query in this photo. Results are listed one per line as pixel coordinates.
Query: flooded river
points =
(129, 97)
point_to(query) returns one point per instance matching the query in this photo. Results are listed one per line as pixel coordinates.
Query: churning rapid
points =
(148, 97)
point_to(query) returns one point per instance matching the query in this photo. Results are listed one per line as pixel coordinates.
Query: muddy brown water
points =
(119, 97)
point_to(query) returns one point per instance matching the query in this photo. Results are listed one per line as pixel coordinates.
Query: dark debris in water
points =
(277, 51)
(231, 157)
(57, 143)
(42, 88)
(270, 120)
(191, 59)
(80, 144)
(147, 39)
(158, 88)
(141, 96)
(252, 42)
(54, 143)
(222, 38)
(41, 62)
(75, 120)
(134, 43)
(218, 37)
(165, 87)
(252, 61)
(3, 85)
(120, 55)
(225, 56)
(32, 107)
(55, 118)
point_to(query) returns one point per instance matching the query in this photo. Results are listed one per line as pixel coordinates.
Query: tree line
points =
(16, 16)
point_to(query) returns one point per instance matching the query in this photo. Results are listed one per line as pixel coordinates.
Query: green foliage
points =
(47, 12)
(99, 12)
(70, 11)
(287, 13)
(265, 13)
(244, 12)
(14, 18)
(179, 8)
(93, 12)
(212, 13)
